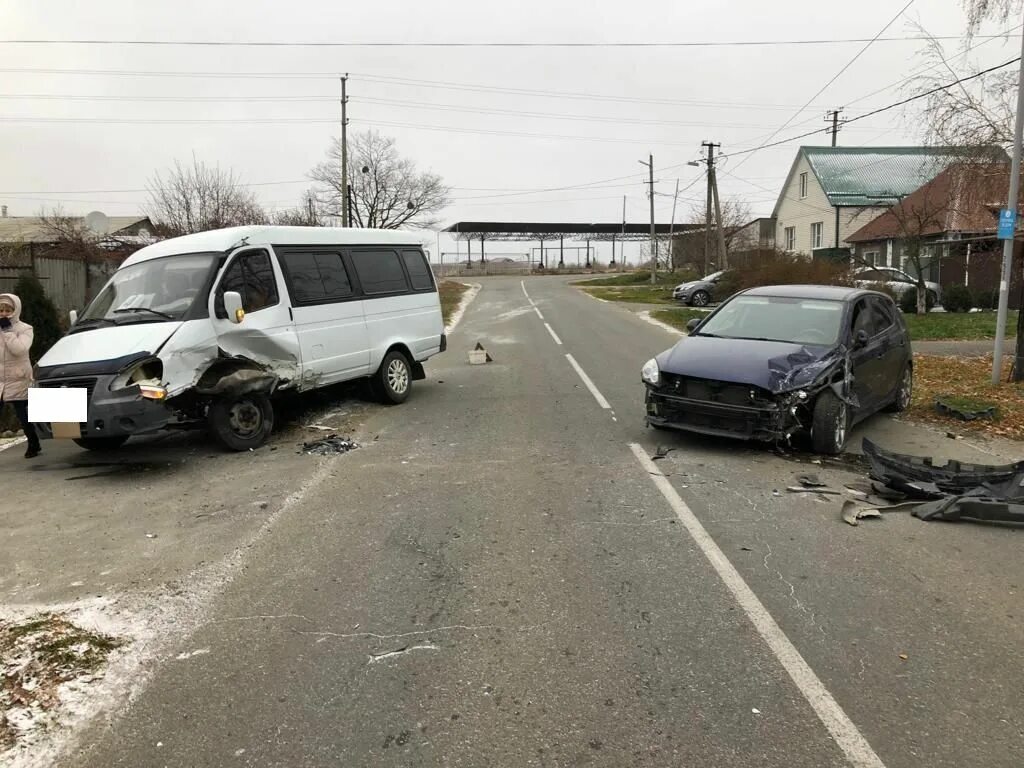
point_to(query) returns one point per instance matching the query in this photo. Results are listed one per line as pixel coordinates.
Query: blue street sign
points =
(1007, 224)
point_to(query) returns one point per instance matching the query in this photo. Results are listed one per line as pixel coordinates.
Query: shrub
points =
(778, 268)
(957, 298)
(908, 301)
(38, 311)
(987, 299)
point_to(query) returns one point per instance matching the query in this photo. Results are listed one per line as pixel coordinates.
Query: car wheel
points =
(241, 423)
(903, 391)
(830, 424)
(393, 379)
(101, 444)
(700, 299)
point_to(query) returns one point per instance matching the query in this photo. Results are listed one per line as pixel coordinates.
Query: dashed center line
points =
(538, 313)
(589, 384)
(554, 335)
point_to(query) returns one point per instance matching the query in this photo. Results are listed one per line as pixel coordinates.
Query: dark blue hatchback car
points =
(775, 361)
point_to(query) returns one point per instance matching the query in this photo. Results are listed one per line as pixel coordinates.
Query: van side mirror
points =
(233, 306)
(73, 316)
(691, 326)
(860, 339)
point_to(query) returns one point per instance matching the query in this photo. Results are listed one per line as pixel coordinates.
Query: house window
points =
(871, 258)
(816, 232)
(803, 185)
(790, 238)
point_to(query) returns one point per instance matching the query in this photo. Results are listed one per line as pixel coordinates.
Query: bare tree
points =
(198, 197)
(388, 191)
(305, 214)
(735, 214)
(979, 11)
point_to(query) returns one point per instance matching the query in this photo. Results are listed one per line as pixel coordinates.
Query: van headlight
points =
(145, 374)
(650, 373)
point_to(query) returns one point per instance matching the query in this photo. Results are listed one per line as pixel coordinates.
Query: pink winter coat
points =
(15, 366)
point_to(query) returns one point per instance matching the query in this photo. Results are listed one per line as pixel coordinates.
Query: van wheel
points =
(101, 444)
(241, 423)
(830, 424)
(393, 379)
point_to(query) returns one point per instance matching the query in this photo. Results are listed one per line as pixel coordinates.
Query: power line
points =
(473, 44)
(834, 78)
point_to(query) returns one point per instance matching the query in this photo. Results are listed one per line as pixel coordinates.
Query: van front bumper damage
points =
(113, 413)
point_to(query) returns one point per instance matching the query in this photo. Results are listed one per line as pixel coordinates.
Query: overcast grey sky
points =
(663, 100)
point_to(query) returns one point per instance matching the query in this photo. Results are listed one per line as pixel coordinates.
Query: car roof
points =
(226, 239)
(830, 292)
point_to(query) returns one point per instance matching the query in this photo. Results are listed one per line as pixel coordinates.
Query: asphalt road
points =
(502, 578)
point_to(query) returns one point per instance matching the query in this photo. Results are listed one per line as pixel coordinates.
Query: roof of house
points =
(965, 197)
(32, 229)
(220, 240)
(874, 176)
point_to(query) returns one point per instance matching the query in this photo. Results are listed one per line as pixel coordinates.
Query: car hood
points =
(108, 342)
(772, 365)
(690, 285)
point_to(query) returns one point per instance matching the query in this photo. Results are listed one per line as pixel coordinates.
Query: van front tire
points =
(241, 423)
(393, 380)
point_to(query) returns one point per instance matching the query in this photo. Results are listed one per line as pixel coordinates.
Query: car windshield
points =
(775, 318)
(159, 290)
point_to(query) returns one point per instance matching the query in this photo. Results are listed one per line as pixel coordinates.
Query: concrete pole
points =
(345, 193)
(1011, 204)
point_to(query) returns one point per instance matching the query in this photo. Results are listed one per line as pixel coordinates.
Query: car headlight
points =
(650, 373)
(145, 374)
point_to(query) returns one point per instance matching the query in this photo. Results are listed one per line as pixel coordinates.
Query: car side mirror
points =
(860, 339)
(691, 326)
(233, 306)
(73, 316)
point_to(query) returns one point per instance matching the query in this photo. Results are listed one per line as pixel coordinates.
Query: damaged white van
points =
(205, 329)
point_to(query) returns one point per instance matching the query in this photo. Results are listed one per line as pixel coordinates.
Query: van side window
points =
(251, 275)
(316, 276)
(419, 272)
(379, 272)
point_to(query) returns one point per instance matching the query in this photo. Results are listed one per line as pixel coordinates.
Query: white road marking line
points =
(523, 284)
(538, 313)
(589, 384)
(856, 748)
(554, 335)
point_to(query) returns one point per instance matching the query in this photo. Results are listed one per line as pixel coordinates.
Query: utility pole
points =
(834, 116)
(309, 207)
(622, 249)
(723, 256)
(671, 230)
(1004, 281)
(712, 201)
(654, 239)
(346, 192)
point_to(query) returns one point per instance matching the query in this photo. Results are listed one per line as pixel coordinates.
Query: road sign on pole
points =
(1007, 224)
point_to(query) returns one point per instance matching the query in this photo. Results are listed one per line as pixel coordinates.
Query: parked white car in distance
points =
(895, 279)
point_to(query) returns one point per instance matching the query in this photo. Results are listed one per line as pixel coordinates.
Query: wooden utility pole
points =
(654, 239)
(834, 117)
(712, 202)
(345, 189)
(671, 261)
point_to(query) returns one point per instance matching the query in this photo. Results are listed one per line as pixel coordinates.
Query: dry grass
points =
(967, 380)
(451, 294)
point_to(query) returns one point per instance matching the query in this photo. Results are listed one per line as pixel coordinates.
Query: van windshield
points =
(160, 290)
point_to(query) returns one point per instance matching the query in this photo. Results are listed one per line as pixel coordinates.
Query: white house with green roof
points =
(831, 192)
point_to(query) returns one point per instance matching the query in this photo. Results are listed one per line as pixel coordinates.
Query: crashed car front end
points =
(715, 406)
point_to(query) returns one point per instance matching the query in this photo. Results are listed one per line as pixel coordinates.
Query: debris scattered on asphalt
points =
(810, 481)
(802, 489)
(965, 414)
(150, 535)
(661, 453)
(954, 436)
(956, 490)
(852, 512)
(755, 711)
(904, 656)
(329, 446)
(746, 549)
(775, 492)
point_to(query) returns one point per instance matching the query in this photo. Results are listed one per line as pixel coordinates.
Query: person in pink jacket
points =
(15, 366)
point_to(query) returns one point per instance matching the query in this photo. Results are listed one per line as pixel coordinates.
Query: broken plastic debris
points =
(330, 445)
(965, 414)
(755, 710)
(852, 512)
(661, 453)
(802, 489)
(904, 656)
(810, 481)
(150, 535)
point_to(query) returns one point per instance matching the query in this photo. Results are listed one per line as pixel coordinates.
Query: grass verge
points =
(451, 294)
(649, 294)
(941, 326)
(677, 318)
(641, 278)
(967, 382)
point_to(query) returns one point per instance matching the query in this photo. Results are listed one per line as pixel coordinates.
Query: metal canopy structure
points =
(531, 230)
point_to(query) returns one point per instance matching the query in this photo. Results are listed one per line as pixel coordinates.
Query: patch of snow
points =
(467, 297)
(646, 317)
(192, 654)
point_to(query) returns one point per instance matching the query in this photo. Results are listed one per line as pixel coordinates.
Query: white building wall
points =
(815, 207)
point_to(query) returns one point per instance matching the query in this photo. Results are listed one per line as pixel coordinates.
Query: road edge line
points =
(845, 734)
